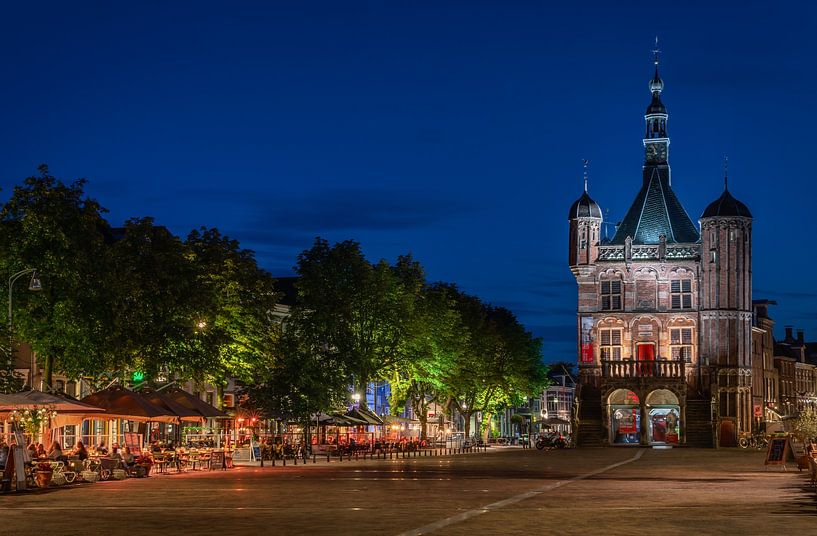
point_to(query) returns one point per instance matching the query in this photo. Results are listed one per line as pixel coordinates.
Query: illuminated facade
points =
(664, 316)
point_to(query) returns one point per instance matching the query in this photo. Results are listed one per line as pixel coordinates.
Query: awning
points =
(365, 415)
(121, 403)
(68, 411)
(554, 420)
(157, 398)
(193, 402)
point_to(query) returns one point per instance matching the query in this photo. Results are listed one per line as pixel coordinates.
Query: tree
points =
(156, 304)
(239, 300)
(362, 314)
(500, 366)
(438, 339)
(301, 381)
(55, 228)
(805, 425)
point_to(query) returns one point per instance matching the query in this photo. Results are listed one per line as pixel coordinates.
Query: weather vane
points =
(586, 162)
(656, 51)
(725, 171)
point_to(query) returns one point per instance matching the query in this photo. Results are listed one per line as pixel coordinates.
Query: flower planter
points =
(43, 478)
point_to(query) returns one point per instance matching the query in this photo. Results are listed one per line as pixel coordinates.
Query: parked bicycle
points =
(757, 441)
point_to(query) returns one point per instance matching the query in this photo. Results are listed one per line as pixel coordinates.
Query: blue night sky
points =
(451, 130)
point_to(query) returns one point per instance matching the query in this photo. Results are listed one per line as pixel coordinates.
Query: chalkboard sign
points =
(256, 452)
(217, 461)
(776, 455)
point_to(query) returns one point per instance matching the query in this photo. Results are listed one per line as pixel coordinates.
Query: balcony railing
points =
(628, 368)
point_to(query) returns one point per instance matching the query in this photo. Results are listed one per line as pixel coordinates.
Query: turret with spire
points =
(585, 223)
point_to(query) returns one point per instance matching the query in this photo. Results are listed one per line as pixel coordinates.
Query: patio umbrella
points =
(68, 411)
(555, 420)
(157, 398)
(365, 415)
(121, 403)
(193, 402)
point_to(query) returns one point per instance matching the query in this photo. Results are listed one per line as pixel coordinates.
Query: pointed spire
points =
(725, 172)
(586, 163)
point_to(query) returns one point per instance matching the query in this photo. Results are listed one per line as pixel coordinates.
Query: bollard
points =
(284, 461)
(273, 460)
(314, 458)
(327, 457)
(295, 459)
(356, 458)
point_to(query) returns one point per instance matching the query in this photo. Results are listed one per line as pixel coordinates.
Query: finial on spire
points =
(656, 84)
(656, 53)
(586, 162)
(725, 172)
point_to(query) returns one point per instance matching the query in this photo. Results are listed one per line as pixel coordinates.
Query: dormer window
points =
(611, 295)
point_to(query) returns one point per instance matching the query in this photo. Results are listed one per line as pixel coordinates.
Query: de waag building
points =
(664, 312)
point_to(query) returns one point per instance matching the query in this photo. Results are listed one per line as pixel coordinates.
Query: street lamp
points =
(35, 286)
(356, 397)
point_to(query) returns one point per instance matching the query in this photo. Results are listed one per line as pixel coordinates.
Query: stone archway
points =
(624, 417)
(663, 417)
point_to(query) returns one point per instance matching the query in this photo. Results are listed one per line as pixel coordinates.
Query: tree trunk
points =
(487, 429)
(467, 417)
(48, 370)
(361, 390)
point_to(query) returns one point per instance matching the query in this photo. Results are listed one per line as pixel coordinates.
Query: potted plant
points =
(43, 473)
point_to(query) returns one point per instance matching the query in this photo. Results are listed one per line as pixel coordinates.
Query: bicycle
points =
(757, 441)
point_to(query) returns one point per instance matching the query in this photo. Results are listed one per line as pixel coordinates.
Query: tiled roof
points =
(726, 206)
(655, 212)
(584, 207)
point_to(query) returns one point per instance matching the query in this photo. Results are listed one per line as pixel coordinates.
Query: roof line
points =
(666, 207)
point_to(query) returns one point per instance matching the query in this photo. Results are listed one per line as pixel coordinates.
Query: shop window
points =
(626, 424)
(681, 344)
(611, 295)
(681, 293)
(664, 425)
(610, 343)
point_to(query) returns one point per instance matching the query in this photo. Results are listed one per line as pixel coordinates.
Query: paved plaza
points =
(505, 491)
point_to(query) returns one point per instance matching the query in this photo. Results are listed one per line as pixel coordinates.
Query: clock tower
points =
(656, 142)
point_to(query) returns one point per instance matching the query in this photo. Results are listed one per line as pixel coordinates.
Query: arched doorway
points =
(663, 418)
(625, 417)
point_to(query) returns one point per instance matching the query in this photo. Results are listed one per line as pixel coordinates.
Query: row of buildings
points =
(672, 349)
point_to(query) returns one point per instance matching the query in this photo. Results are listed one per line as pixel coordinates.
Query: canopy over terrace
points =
(157, 398)
(121, 403)
(194, 403)
(68, 411)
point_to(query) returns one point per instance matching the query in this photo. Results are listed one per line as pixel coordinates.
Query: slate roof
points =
(726, 206)
(584, 207)
(656, 211)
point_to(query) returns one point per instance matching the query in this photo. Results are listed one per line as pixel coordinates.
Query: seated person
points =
(56, 454)
(127, 457)
(102, 449)
(41, 453)
(80, 451)
(4, 454)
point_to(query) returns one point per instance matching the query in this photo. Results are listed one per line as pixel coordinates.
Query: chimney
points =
(789, 337)
(800, 337)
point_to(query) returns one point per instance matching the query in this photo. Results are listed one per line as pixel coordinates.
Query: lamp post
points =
(34, 285)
